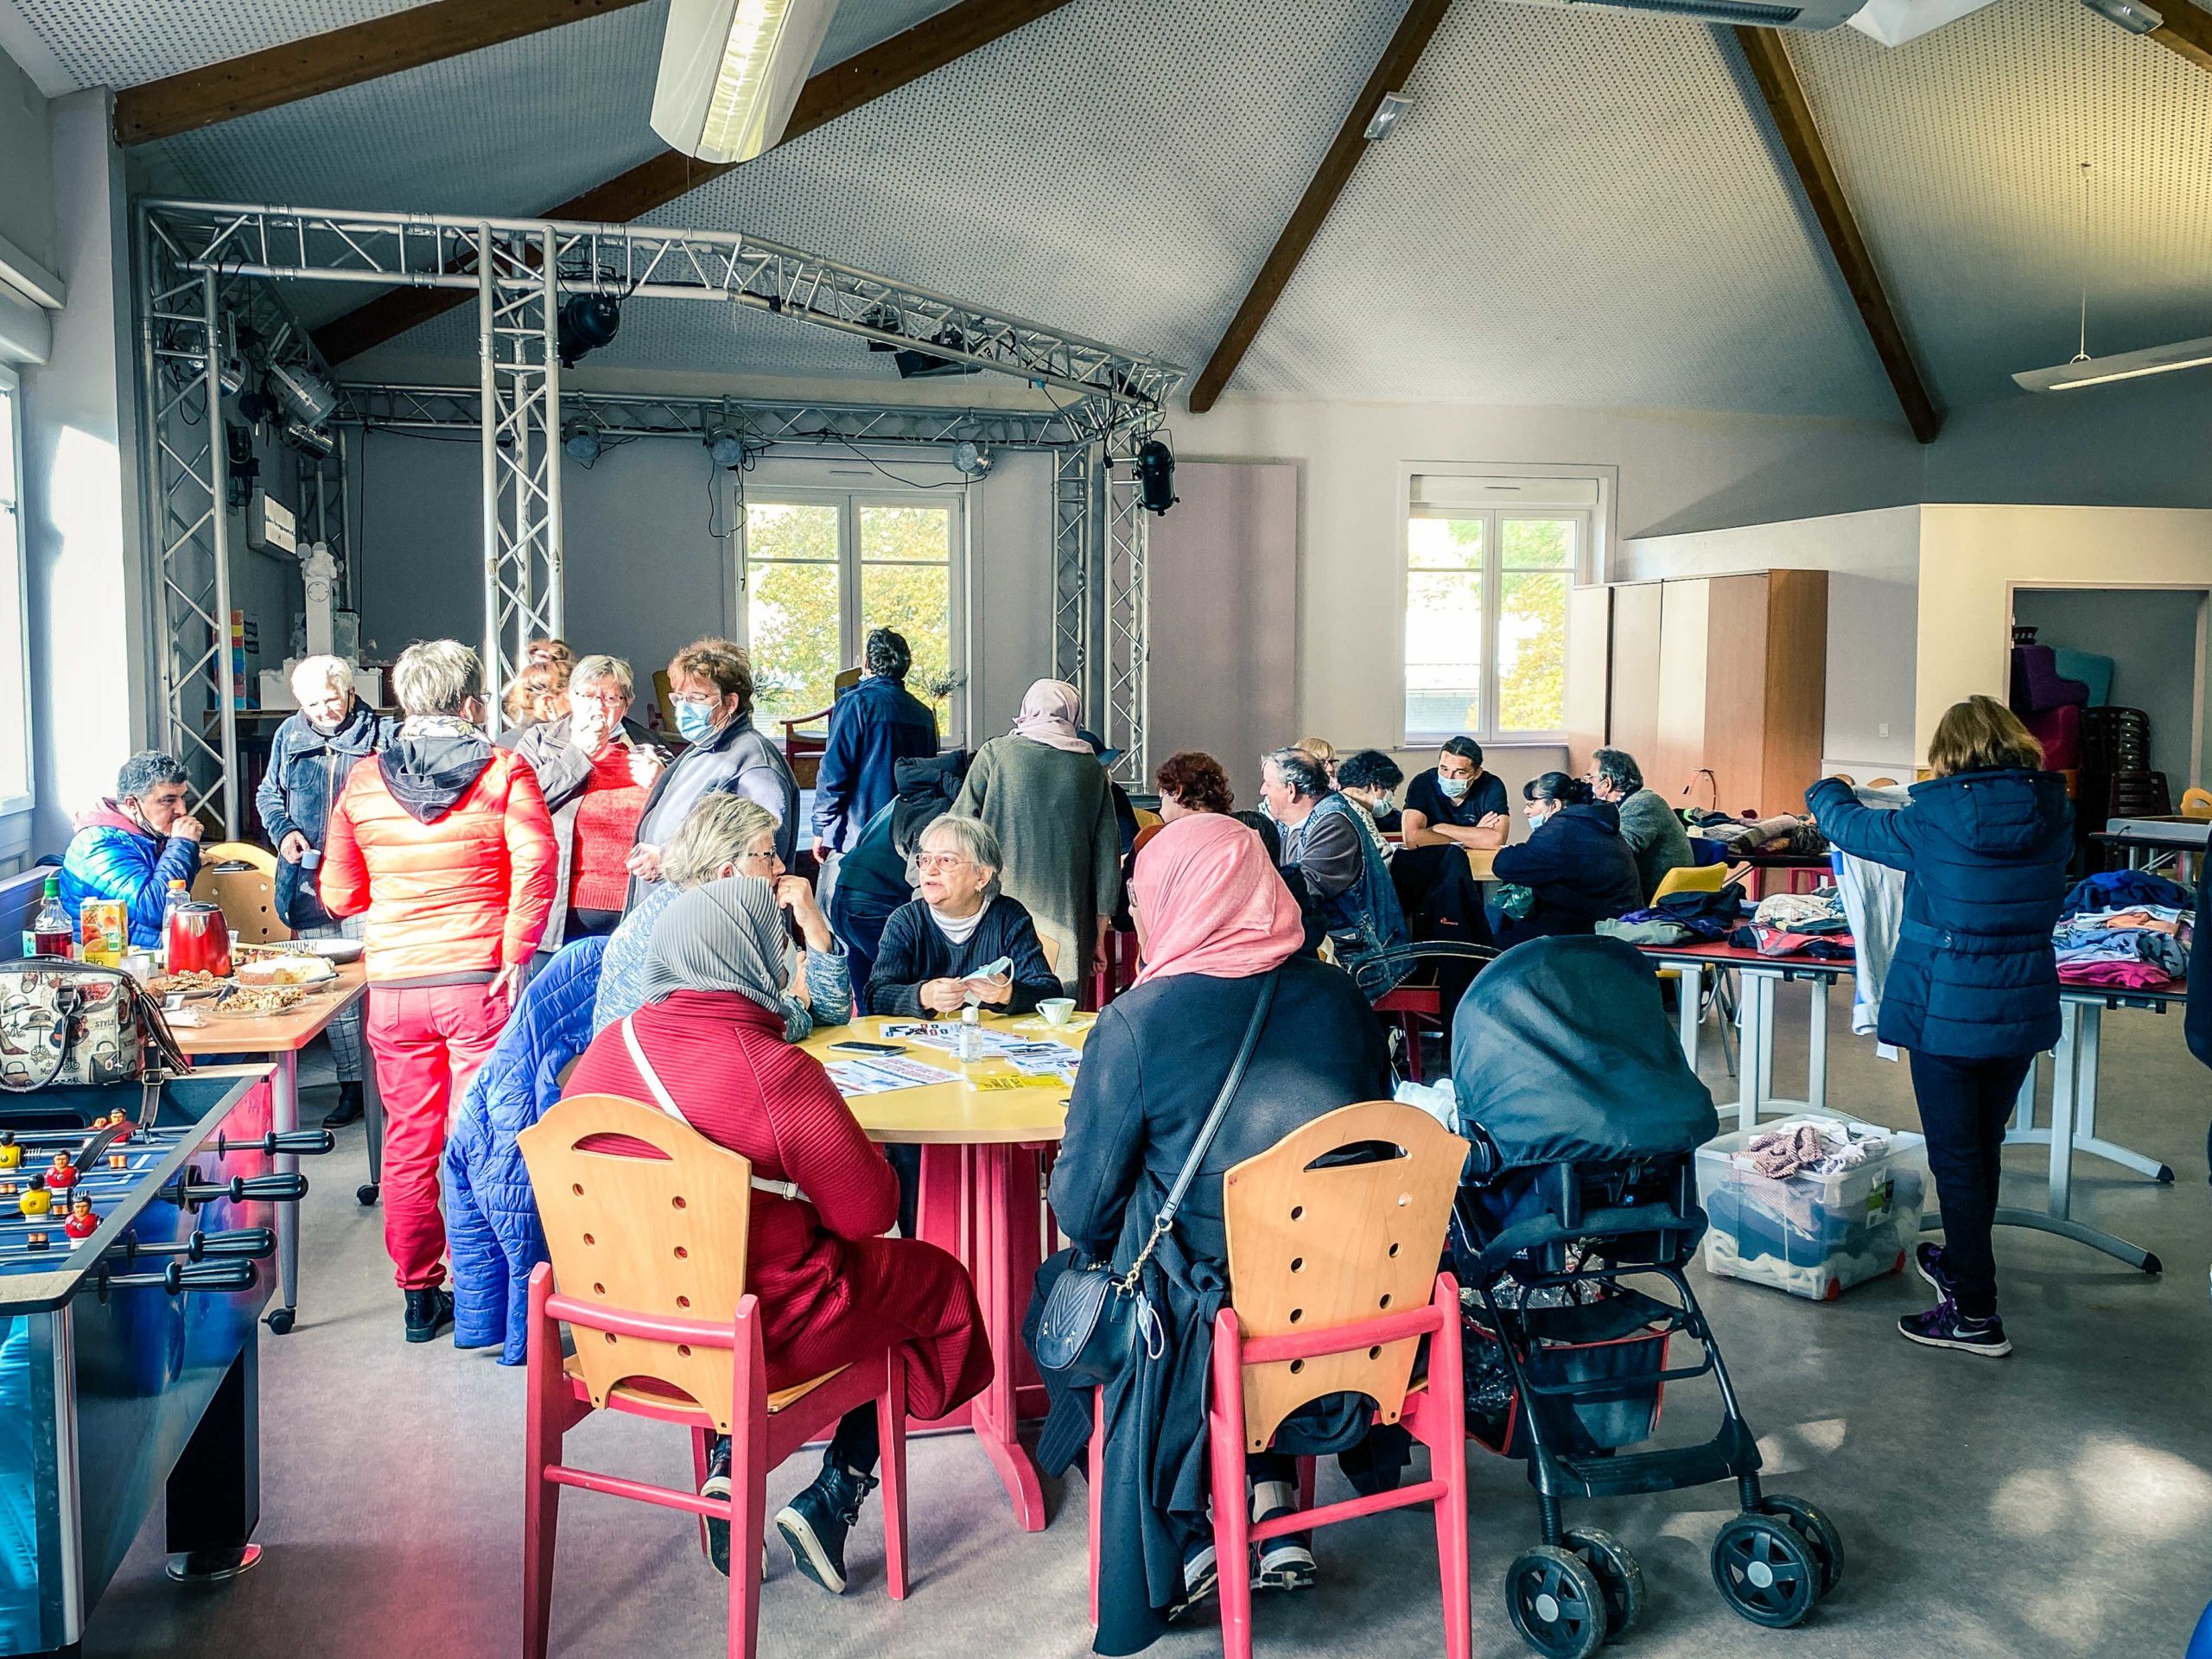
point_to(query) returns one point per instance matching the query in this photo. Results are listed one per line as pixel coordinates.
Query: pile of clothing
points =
(2125, 928)
(1681, 918)
(1786, 832)
(1824, 1147)
(1798, 925)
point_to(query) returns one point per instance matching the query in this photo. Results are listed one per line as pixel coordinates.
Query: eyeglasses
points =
(768, 857)
(606, 697)
(938, 860)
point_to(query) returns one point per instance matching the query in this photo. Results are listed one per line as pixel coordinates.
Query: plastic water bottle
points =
(970, 1047)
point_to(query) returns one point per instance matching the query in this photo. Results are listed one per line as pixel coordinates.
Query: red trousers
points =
(428, 1041)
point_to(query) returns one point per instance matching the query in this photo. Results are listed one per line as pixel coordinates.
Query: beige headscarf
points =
(1048, 716)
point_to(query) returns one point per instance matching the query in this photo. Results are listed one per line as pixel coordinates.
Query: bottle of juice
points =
(50, 933)
(104, 925)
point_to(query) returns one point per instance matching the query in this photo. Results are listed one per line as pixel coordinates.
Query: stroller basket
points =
(1594, 1376)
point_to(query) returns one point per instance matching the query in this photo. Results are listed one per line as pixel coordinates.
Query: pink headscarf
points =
(1048, 714)
(1212, 902)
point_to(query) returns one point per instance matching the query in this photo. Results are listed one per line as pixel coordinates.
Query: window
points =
(15, 669)
(1489, 561)
(820, 571)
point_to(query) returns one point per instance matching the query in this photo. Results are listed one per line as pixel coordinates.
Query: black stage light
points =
(579, 440)
(588, 322)
(1156, 476)
(927, 365)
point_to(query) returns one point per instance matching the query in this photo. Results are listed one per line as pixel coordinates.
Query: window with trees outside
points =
(820, 570)
(1485, 609)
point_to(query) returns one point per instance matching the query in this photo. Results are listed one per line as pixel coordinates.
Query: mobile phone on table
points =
(870, 1048)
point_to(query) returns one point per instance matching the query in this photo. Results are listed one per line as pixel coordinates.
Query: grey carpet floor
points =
(2058, 1503)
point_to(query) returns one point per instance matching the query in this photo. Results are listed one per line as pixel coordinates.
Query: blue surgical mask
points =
(1379, 805)
(693, 720)
(1453, 788)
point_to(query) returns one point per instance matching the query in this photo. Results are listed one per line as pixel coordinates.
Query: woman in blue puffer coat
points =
(1973, 990)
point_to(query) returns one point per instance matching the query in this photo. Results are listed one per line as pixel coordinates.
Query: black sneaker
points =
(716, 1486)
(428, 1312)
(1944, 1326)
(815, 1523)
(1928, 1259)
(1284, 1563)
(349, 1108)
(1201, 1576)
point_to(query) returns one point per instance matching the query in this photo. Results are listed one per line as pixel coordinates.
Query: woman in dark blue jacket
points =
(1973, 990)
(1575, 863)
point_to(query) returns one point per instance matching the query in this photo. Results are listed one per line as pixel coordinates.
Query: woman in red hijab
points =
(1216, 925)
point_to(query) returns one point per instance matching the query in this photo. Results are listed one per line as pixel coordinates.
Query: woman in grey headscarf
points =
(707, 1048)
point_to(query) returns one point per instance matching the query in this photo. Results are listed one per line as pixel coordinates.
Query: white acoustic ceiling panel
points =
(1960, 153)
(1114, 169)
(123, 43)
(1577, 208)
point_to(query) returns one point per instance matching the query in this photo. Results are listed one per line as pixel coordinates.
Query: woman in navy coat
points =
(1973, 990)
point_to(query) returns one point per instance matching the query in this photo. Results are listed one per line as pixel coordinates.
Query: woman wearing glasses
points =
(726, 835)
(934, 950)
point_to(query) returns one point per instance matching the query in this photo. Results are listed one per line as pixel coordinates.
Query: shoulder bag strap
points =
(1204, 1144)
(666, 1102)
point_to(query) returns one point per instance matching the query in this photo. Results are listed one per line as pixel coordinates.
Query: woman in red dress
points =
(832, 1291)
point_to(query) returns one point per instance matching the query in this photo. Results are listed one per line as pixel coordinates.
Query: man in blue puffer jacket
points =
(492, 1235)
(1973, 990)
(132, 847)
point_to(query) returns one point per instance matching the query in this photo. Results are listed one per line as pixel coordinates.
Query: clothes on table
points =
(2128, 976)
(1780, 942)
(1648, 933)
(1801, 912)
(2106, 936)
(2124, 890)
(1706, 915)
(1785, 832)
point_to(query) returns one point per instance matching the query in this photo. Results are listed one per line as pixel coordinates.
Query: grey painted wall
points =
(2151, 635)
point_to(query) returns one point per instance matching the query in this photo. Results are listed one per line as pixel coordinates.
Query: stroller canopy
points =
(1561, 1054)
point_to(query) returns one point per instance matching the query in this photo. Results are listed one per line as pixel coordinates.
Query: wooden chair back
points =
(1050, 947)
(1146, 818)
(1312, 1246)
(664, 700)
(1691, 877)
(2196, 802)
(662, 1234)
(248, 896)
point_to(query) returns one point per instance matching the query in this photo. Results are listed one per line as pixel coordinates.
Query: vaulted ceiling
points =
(1577, 207)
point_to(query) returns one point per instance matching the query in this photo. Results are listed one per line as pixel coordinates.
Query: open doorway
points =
(2133, 648)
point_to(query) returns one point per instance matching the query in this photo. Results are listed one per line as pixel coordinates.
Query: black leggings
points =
(1964, 1107)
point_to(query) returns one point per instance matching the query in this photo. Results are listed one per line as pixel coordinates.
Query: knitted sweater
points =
(914, 951)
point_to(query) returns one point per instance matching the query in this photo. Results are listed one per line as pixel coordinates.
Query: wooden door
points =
(1796, 711)
(1680, 717)
(1735, 692)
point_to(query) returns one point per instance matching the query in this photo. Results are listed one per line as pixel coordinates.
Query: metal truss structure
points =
(209, 309)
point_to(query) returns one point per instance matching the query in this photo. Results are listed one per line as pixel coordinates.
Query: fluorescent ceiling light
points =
(2131, 15)
(731, 70)
(2121, 366)
(1386, 115)
(1895, 21)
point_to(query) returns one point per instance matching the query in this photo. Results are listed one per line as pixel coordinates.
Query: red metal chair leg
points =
(1232, 1510)
(545, 1417)
(1443, 1427)
(748, 1485)
(890, 1433)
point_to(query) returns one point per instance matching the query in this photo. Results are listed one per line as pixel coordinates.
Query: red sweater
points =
(724, 1059)
(605, 828)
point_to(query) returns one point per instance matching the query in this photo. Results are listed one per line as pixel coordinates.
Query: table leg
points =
(215, 1491)
(2024, 1109)
(1816, 1049)
(2086, 1138)
(283, 1117)
(1689, 995)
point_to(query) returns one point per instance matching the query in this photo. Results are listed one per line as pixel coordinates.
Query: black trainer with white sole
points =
(815, 1523)
(1284, 1563)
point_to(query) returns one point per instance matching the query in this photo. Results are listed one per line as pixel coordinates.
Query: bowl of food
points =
(261, 972)
(331, 950)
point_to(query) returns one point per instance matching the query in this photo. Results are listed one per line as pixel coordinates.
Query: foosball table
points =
(132, 1220)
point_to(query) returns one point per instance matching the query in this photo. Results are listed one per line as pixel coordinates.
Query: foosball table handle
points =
(189, 1191)
(308, 1142)
(233, 1273)
(250, 1242)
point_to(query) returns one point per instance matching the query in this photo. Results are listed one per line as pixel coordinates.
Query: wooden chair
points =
(1333, 1284)
(2196, 802)
(247, 896)
(650, 1253)
(805, 749)
(1146, 818)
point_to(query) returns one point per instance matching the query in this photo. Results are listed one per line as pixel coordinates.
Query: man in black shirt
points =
(1452, 808)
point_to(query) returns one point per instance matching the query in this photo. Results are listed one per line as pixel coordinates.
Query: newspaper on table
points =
(1031, 1056)
(881, 1074)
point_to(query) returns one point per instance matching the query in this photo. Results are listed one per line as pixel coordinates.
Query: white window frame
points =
(852, 634)
(1592, 557)
(18, 793)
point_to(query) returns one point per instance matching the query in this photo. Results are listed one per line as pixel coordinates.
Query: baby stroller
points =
(1584, 1117)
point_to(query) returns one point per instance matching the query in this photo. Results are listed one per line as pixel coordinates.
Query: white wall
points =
(2134, 443)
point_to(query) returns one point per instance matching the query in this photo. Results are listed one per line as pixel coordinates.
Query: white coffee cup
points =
(1057, 1010)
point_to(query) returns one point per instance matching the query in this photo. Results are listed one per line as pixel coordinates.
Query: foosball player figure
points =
(82, 1223)
(35, 1200)
(11, 1155)
(35, 1241)
(62, 1175)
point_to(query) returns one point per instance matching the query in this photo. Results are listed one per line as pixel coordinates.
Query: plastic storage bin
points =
(1813, 1236)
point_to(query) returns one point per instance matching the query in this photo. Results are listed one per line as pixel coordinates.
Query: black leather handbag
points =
(1087, 1334)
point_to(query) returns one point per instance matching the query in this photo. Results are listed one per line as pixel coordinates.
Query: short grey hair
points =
(436, 677)
(612, 669)
(973, 838)
(716, 833)
(1298, 768)
(1617, 769)
(331, 673)
(146, 772)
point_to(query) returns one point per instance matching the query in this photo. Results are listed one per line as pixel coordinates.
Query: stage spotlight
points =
(727, 445)
(1156, 476)
(579, 440)
(927, 365)
(588, 322)
(304, 391)
(971, 458)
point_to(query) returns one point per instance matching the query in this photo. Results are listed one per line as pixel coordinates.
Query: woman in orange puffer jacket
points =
(446, 843)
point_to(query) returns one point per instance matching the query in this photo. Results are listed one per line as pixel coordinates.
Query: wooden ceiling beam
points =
(344, 57)
(1391, 73)
(1784, 96)
(2187, 31)
(929, 45)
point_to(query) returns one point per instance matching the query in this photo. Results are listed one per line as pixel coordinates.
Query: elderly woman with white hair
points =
(939, 951)
(596, 767)
(728, 835)
(309, 759)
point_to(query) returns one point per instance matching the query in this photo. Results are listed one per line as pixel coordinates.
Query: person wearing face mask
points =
(1366, 779)
(132, 845)
(1575, 866)
(1452, 808)
(1654, 833)
(934, 951)
(711, 683)
(311, 756)
(1334, 864)
(728, 835)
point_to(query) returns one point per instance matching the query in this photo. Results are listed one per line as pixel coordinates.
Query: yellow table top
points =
(955, 1112)
(1478, 860)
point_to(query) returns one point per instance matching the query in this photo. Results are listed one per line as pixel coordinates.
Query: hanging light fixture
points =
(2082, 370)
(731, 70)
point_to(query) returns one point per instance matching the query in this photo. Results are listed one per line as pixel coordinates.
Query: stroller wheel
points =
(1765, 1570)
(1618, 1575)
(1556, 1602)
(1816, 1530)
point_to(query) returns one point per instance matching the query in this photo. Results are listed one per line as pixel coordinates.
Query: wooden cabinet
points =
(1725, 674)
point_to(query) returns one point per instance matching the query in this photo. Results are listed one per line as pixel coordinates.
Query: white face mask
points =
(1454, 788)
